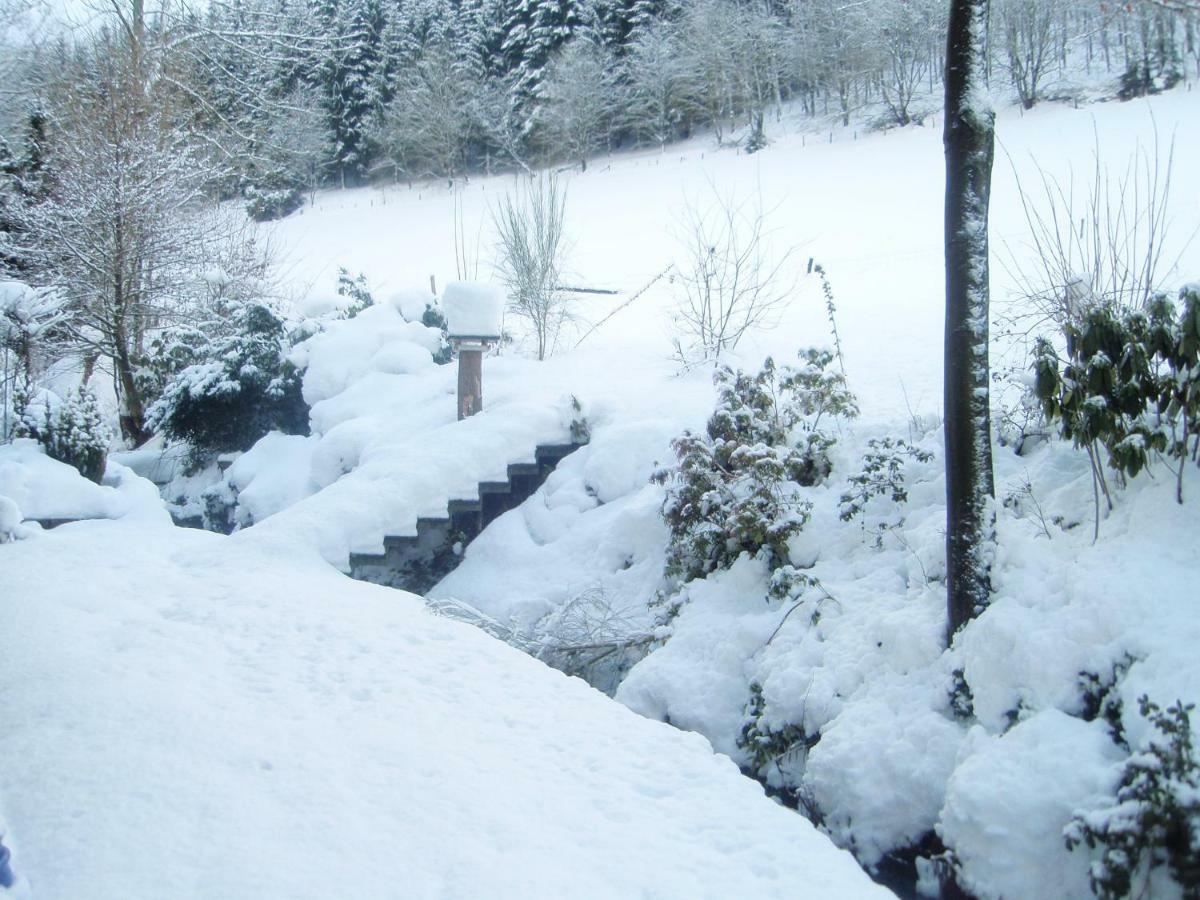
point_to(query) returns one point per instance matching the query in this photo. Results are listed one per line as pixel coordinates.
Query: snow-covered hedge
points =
(72, 429)
(243, 388)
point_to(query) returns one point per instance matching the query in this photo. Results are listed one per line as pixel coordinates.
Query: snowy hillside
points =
(193, 716)
(209, 715)
(991, 747)
(868, 207)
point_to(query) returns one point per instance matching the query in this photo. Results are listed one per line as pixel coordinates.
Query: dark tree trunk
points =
(132, 410)
(968, 137)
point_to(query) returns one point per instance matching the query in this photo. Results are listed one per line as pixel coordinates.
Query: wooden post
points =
(470, 380)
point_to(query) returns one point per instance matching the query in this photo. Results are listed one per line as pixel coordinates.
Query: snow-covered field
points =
(868, 209)
(188, 715)
(233, 717)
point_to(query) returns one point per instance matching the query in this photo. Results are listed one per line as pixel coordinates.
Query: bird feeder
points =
(473, 315)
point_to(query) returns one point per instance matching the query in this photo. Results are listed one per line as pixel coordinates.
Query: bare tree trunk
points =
(970, 491)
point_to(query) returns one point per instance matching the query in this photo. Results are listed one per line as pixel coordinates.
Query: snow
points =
(871, 677)
(829, 195)
(14, 297)
(880, 801)
(1011, 797)
(10, 519)
(251, 723)
(473, 310)
(594, 525)
(272, 476)
(155, 460)
(379, 726)
(378, 339)
(46, 489)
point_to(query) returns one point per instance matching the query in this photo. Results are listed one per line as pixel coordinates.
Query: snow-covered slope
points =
(866, 206)
(990, 748)
(189, 715)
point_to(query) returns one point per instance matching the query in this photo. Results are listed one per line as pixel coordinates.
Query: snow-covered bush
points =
(71, 429)
(172, 350)
(29, 319)
(737, 488)
(1154, 819)
(1130, 383)
(274, 199)
(882, 475)
(356, 291)
(244, 388)
(531, 237)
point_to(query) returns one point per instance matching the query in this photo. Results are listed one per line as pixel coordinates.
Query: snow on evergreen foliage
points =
(275, 199)
(242, 387)
(356, 291)
(72, 429)
(1130, 383)
(1153, 822)
(737, 488)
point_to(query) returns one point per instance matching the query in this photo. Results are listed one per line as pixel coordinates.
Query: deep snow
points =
(189, 715)
(872, 679)
(278, 634)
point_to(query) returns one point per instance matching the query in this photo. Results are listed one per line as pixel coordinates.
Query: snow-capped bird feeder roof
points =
(473, 311)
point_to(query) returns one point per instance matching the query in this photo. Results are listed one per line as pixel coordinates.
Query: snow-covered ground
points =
(297, 733)
(872, 680)
(868, 209)
(189, 715)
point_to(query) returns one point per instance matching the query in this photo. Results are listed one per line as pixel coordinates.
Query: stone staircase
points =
(417, 562)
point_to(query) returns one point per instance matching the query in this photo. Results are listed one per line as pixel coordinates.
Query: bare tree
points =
(705, 30)
(579, 95)
(832, 37)
(662, 83)
(1029, 41)
(500, 123)
(761, 60)
(1099, 242)
(969, 137)
(429, 124)
(903, 32)
(732, 280)
(125, 234)
(532, 245)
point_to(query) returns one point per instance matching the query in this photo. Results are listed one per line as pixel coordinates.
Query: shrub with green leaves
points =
(72, 429)
(1129, 383)
(881, 475)
(737, 487)
(433, 318)
(274, 195)
(766, 746)
(1154, 819)
(356, 291)
(244, 388)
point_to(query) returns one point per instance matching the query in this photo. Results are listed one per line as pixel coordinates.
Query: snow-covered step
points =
(418, 562)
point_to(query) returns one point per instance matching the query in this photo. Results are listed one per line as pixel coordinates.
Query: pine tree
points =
(347, 76)
(534, 30)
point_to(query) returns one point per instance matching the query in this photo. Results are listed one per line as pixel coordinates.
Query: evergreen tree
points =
(534, 30)
(32, 175)
(348, 78)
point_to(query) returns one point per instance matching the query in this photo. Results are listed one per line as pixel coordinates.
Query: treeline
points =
(294, 94)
